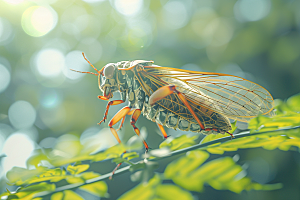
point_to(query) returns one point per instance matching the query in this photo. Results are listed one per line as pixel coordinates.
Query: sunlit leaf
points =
(170, 192)
(52, 175)
(264, 123)
(89, 175)
(294, 102)
(155, 190)
(59, 161)
(220, 174)
(73, 180)
(186, 164)
(28, 192)
(98, 188)
(130, 155)
(66, 195)
(179, 143)
(113, 152)
(77, 169)
(36, 159)
(18, 175)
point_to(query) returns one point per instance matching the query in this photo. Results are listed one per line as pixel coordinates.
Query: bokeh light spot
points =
(175, 14)
(93, 1)
(50, 62)
(98, 139)
(48, 142)
(251, 10)
(17, 148)
(53, 117)
(14, 1)
(6, 33)
(129, 7)
(21, 114)
(39, 20)
(4, 78)
(50, 98)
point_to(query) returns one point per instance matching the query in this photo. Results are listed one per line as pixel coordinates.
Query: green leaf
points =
(264, 123)
(59, 161)
(294, 102)
(113, 152)
(130, 155)
(155, 190)
(170, 192)
(29, 192)
(73, 180)
(89, 175)
(18, 175)
(191, 174)
(66, 195)
(77, 169)
(190, 162)
(98, 188)
(36, 159)
(178, 143)
(38, 188)
(283, 140)
(52, 175)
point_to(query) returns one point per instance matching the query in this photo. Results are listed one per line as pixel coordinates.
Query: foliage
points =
(56, 173)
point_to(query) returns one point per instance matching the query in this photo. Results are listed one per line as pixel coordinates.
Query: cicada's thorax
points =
(171, 115)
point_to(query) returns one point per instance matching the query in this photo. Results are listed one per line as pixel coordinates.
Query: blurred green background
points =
(41, 99)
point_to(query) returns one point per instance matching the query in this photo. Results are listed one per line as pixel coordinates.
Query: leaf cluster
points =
(57, 172)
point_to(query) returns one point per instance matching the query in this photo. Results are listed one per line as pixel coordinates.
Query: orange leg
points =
(130, 113)
(161, 128)
(136, 114)
(121, 114)
(170, 89)
(115, 102)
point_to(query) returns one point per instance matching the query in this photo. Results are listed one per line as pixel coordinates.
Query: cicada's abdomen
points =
(173, 120)
(173, 115)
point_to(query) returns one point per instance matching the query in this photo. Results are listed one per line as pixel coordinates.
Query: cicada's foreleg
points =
(164, 91)
(115, 102)
(121, 114)
(135, 115)
(161, 128)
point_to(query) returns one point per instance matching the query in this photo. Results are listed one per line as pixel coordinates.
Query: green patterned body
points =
(169, 111)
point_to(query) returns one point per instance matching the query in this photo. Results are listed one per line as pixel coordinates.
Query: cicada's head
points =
(106, 79)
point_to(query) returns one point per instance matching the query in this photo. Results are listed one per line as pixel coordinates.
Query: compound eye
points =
(109, 71)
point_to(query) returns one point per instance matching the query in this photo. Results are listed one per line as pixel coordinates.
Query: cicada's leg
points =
(230, 134)
(208, 129)
(121, 114)
(161, 128)
(135, 115)
(164, 91)
(130, 113)
(114, 102)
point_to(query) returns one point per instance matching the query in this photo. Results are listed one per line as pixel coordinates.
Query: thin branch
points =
(177, 152)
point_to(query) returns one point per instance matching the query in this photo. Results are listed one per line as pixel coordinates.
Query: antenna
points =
(99, 72)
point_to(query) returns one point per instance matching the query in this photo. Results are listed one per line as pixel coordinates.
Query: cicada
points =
(180, 99)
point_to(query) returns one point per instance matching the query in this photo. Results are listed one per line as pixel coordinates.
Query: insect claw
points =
(232, 136)
(101, 122)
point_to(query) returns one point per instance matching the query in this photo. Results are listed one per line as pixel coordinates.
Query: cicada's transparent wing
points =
(232, 96)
